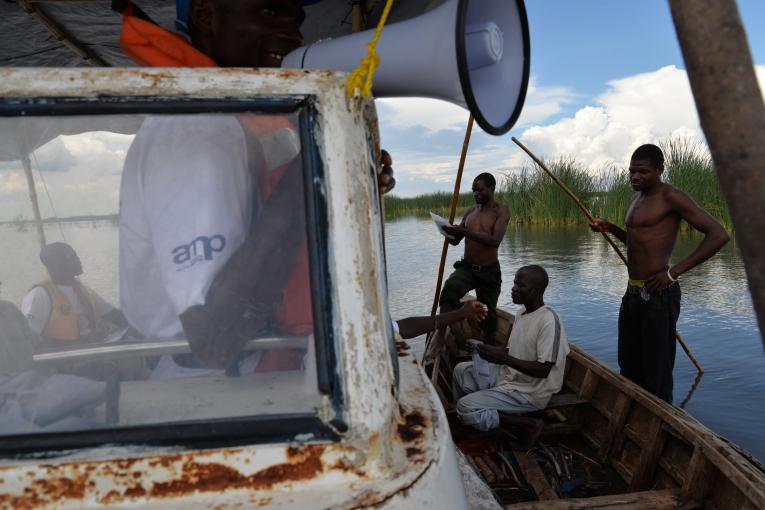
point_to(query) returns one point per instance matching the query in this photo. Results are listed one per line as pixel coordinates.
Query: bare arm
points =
(499, 355)
(416, 326)
(601, 225)
(246, 291)
(715, 238)
(458, 234)
(492, 240)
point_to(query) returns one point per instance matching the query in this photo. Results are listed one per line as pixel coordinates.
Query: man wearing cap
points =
(61, 309)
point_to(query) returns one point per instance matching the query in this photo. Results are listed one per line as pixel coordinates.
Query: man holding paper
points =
(522, 378)
(483, 226)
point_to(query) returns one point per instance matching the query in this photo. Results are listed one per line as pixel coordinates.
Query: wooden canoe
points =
(660, 455)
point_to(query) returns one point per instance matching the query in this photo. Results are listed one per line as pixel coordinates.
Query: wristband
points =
(669, 275)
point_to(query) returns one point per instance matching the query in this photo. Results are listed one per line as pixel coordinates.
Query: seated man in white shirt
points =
(62, 310)
(522, 377)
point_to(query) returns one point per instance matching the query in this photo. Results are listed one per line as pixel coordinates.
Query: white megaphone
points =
(474, 53)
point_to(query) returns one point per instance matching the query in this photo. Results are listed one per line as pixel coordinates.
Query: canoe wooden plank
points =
(565, 400)
(534, 475)
(652, 447)
(699, 477)
(658, 500)
(615, 425)
(589, 384)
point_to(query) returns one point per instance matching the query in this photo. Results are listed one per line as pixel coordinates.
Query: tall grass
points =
(534, 198)
(689, 167)
(439, 202)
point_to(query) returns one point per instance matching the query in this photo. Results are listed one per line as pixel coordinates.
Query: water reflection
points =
(587, 281)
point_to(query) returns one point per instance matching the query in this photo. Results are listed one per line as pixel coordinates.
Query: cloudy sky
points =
(606, 76)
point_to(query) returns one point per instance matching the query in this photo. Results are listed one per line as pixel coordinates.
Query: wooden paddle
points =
(591, 219)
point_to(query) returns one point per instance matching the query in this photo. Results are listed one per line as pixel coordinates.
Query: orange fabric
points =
(63, 321)
(151, 45)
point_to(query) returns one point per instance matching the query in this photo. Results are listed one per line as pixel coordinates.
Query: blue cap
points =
(182, 13)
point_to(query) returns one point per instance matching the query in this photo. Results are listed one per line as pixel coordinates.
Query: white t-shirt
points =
(186, 205)
(536, 336)
(36, 306)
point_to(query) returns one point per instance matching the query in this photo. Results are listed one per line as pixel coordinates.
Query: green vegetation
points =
(534, 198)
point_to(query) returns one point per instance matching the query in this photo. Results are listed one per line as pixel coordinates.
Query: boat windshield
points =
(157, 270)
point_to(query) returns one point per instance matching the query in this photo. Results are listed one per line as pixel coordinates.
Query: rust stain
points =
(413, 426)
(264, 502)
(402, 348)
(303, 463)
(111, 497)
(413, 452)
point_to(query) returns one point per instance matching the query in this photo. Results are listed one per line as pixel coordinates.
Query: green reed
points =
(689, 167)
(439, 202)
(534, 198)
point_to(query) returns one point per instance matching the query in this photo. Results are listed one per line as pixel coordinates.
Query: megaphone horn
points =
(474, 53)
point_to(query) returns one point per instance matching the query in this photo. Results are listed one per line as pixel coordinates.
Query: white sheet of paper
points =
(482, 371)
(440, 222)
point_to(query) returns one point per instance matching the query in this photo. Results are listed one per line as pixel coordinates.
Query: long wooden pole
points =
(732, 115)
(452, 213)
(33, 198)
(591, 218)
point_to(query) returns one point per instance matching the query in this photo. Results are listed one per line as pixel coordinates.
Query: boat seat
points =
(565, 400)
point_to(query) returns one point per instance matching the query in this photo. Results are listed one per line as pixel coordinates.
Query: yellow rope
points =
(360, 80)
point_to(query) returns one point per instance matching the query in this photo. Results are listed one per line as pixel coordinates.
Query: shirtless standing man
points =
(483, 227)
(651, 305)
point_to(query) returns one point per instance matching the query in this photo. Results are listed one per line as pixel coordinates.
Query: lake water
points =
(586, 283)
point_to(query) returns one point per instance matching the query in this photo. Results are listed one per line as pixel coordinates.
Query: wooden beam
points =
(615, 425)
(698, 477)
(657, 500)
(61, 35)
(642, 474)
(589, 385)
(732, 114)
(534, 475)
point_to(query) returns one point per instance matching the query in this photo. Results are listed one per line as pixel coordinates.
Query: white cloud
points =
(434, 115)
(645, 108)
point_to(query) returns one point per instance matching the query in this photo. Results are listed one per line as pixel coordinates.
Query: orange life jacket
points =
(151, 45)
(63, 321)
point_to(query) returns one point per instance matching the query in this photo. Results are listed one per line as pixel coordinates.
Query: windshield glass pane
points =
(155, 270)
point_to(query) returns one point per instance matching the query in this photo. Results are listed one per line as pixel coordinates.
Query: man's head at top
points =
(646, 167)
(62, 261)
(529, 285)
(236, 33)
(483, 188)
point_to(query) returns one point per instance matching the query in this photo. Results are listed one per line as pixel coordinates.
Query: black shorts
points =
(485, 280)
